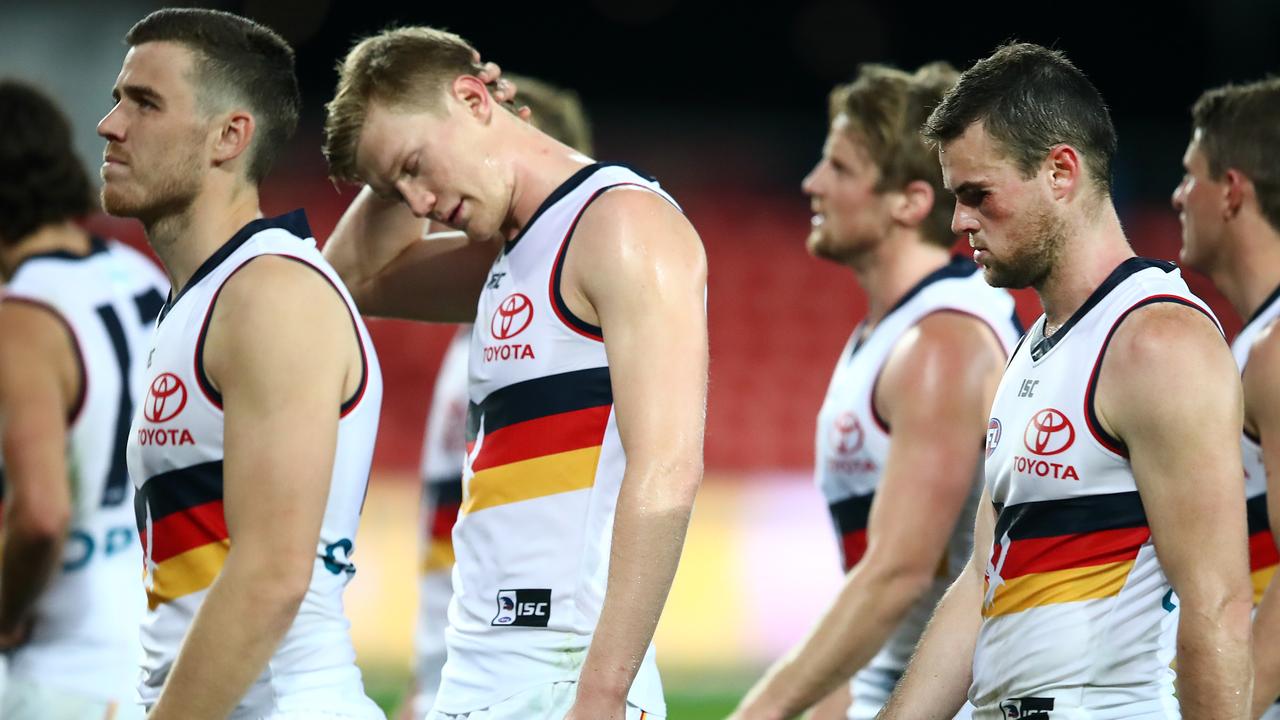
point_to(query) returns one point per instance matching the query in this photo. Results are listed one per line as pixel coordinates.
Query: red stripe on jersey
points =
(1262, 551)
(184, 530)
(1062, 552)
(854, 546)
(443, 518)
(542, 436)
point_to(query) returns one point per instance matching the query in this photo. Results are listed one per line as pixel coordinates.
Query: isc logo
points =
(523, 608)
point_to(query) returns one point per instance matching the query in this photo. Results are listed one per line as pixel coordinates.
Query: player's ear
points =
(1065, 170)
(474, 96)
(232, 136)
(912, 204)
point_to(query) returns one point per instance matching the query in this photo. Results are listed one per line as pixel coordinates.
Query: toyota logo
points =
(1048, 433)
(847, 436)
(165, 398)
(512, 316)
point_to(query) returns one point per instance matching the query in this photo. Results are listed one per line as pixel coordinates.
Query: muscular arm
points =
(651, 306)
(1262, 414)
(391, 270)
(282, 351)
(39, 382)
(1168, 388)
(948, 366)
(941, 670)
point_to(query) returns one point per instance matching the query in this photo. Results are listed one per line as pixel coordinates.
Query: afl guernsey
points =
(1079, 620)
(1262, 547)
(85, 632)
(852, 444)
(544, 468)
(443, 453)
(176, 460)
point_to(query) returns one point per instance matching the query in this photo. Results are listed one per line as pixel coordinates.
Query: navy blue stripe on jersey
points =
(149, 305)
(178, 490)
(117, 485)
(444, 490)
(1111, 442)
(540, 397)
(1070, 516)
(564, 189)
(1256, 511)
(851, 513)
(295, 223)
(1122, 272)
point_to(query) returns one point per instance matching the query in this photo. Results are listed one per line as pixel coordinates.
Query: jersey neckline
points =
(96, 245)
(564, 189)
(1041, 345)
(1271, 300)
(294, 222)
(957, 267)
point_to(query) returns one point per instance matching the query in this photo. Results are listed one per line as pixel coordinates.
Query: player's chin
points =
(117, 201)
(820, 245)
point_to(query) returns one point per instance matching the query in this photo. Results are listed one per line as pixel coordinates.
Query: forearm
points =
(1215, 673)
(648, 535)
(29, 561)
(237, 629)
(860, 620)
(371, 234)
(1266, 652)
(941, 670)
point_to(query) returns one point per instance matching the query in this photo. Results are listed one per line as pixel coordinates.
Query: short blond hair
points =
(886, 107)
(402, 69)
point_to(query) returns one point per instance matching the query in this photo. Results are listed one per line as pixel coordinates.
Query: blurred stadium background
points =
(727, 106)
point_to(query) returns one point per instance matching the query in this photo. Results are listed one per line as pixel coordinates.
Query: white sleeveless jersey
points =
(1078, 614)
(175, 458)
(853, 441)
(1263, 557)
(543, 473)
(85, 632)
(444, 452)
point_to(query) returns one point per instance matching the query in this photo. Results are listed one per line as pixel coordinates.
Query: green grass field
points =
(688, 697)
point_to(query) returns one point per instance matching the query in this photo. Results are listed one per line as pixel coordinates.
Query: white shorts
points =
(545, 702)
(871, 690)
(24, 700)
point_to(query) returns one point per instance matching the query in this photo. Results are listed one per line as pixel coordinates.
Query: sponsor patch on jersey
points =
(523, 608)
(511, 317)
(1027, 708)
(166, 397)
(1049, 432)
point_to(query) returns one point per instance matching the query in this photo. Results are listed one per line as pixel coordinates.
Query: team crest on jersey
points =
(523, 608)
(166, 397)
(1027, 708)
(993, 435)
(1048, 433)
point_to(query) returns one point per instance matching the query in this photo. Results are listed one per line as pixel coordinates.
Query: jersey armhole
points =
(215, 397)
(561, 308)
(77, 407)
(875, 384)
(1106, 439)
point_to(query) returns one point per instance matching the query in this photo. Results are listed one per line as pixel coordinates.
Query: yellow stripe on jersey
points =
(1261, 579)
(192, 571)
(529, 479)
(1059, 586)
(438, 557)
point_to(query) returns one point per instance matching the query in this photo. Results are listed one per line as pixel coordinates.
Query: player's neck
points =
(540, 165)
(893, 267)
(1087, 258)
(54, 237)
(1250, 274)
(184, 240)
